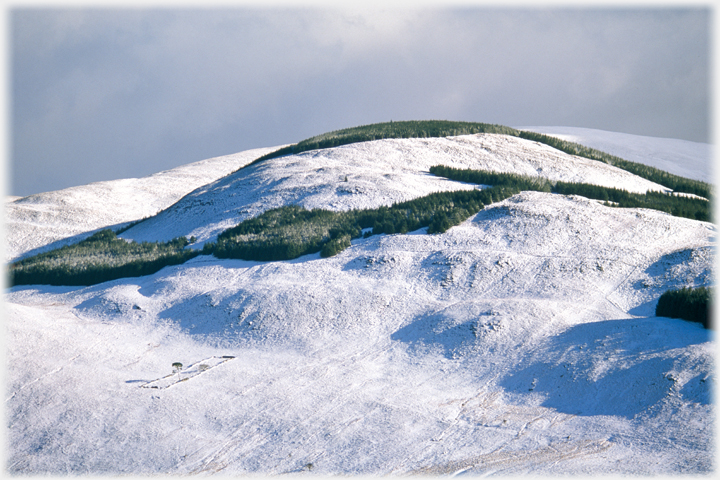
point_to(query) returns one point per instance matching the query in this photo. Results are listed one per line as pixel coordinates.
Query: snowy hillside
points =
(378, 173)
(42, 219)
(681, 157)
(522, 341)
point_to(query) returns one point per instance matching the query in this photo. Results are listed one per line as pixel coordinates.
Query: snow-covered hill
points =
(378, 173)
(521, 341)
(680, 157)
(42, 221)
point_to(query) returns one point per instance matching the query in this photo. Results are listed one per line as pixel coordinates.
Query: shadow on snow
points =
(613, 367)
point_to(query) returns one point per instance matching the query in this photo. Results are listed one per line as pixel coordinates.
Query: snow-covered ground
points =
(380, 172)
(681, 157)
(43, 221)
(522, 341)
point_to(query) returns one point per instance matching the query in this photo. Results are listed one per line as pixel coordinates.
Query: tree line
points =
(289, 232)
(292, 231)
(100, 258)
(380, 131)
(674, 182)
(679, 206)
(279, 234)
(445, 128)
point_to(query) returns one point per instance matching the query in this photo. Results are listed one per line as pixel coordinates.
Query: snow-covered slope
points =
(681, 157)
(378, 173)
(36, 221)
(521, 341)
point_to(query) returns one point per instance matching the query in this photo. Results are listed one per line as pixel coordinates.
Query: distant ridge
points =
(680, 157)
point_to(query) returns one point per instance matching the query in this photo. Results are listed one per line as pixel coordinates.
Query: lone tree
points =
(177, 366)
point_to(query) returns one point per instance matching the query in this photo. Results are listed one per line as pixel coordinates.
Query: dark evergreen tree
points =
(691, 304)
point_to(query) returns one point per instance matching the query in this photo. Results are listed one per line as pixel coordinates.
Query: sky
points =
(101, 94)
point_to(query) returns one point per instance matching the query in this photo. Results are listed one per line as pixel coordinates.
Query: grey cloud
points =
(101, 94)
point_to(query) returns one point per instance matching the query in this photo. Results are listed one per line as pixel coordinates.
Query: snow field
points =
(520, 341)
